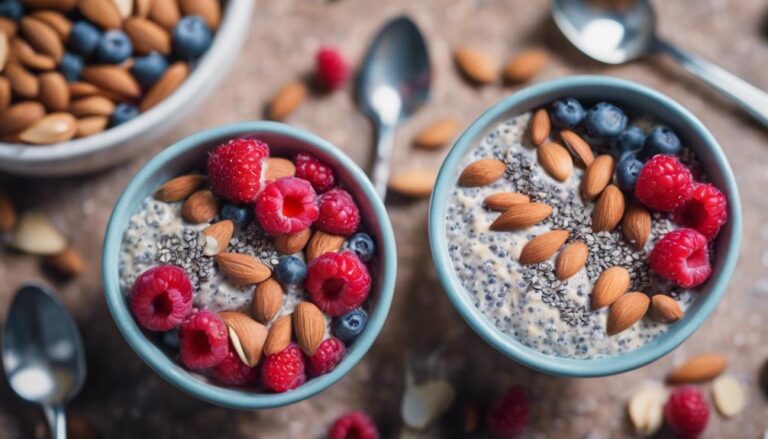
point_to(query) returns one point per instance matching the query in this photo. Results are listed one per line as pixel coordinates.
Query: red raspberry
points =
(664, 183)
(338, 213)
(331, 69)
(315, 171)
(328, 355)
(235, 169)
(338, 282)
(687, 411)
(682, 256)
(161, 298)
(354, 425)
(233, 372)
(284, 370)
(510, 415)
(286, 206)
(203, 340)
(705, 212)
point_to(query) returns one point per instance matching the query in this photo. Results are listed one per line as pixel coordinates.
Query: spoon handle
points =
(746, 95)
(57, 420)
(384, 145)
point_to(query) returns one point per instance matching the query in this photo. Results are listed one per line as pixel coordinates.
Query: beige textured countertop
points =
(124, 399)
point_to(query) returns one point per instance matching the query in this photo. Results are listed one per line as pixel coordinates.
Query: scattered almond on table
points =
(414, 182)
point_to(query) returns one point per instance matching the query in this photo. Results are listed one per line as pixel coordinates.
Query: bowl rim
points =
(153, 356)
(507, 345)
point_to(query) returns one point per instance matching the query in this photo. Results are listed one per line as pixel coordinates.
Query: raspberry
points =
(337, 282)
(204, 340)
(233, 372)
(286, 206)
(705, 212)
(682, 256)
(510, 415)
(235, 169)
(328, 355)
(354, 425)
(331, 71)
(338, 213)
(284, 370)
(687, 411)
(161, 298)
(664, 183)
(315, 171)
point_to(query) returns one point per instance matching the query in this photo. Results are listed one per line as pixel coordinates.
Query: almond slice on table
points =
(103, 13)
(646, 409)
(168, 83)
(246, 335)
(56, 20)
(90, 125)
(217, 237)
(53, 128)
(287, 99)
(114, 79)
(571, 259)
(502, 201)
(475, 65)
(322, 243)
(578, 147)
(521, 216)
(525, 65)
(597, 176)
(200, 207)
(267, 300)
(437, 134)
(702, 367)
(665, 309)
(179, 188)
(626, 311)
(54, 91)
(19, 116)
(636, 225)
(609, 286)
(279, 336)
(543, 247)
(23, 83)
(609, 209)
(8, 216)
(539, 127)
(68, 263)
(34, 234)
(729, 395)
(42, 37)
(414, 182)
(147, 36)
(309, 325)
(294, 243)
(165, 12)
(278, 167)
(209, 10)
(242, 269)
(482, 172)
(556, 160)
(92, 106)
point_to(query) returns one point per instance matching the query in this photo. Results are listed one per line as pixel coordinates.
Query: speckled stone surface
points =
(124, 399)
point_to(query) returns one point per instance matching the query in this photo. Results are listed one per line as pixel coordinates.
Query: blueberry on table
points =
(291, 270)
(83, 38)
(239, 215)
(12, 9)
(662, 140)
(567, 113)
(148, 69)
(114, 47)
(605, 121)
(363, 246)
(191, 37)
(347, 327)
(123, 113)
(630, 140)
(70, 66)
(627, 171)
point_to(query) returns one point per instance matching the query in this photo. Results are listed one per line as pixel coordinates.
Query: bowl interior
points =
(637, 100)
(189, 155)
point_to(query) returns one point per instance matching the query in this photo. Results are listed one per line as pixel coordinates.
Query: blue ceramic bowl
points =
(191, 153)
(637, 99)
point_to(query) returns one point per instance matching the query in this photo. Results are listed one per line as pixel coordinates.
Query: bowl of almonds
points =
(85, 83)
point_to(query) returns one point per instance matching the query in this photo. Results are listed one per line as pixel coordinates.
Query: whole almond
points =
(597, 176)
(42, 37)
(521, 216)
(8, 215)
(217, 237)
(36, 235)
(59, 5)
(92, 106)
(475, 65)
(246, 335)
(242, 269)
(8, 27)
(287, 100)
(636, 225)
(543, 247)
(309, 324)
(267, 300)
(54, 91)
(665, 309)
(179, 188)
(578, 147)
(414, 182)
(210, 10)
(482, 172)
(626, 311)
(502, 201)
(113, 78)
(56, 20)
(90, 125)
(26, 55)
(525, 65)
(52, 128)
(702, 367)
(556, 160)
(5, 94)
(609, 286)
(19, 116)
(23, 83)
(322, 243)
(200, 207)
(5, 48)
(609, 209)
(68, 263)
(539, 127)
(293, 243)
(165, 13)
(168, 83)
(437, 134)
(278, 167)
(571, 260)
(147, 36)
(279, 336)
(103, 13)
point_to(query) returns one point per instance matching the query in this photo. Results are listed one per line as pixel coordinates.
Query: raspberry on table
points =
(284, 370)
(354, 425)
(331, 70)
(337, 282)
(327, 357)
(235, 169)
(161, 298)
(687, 411)
(705, 212)
(286, 206)
(203, 340)
(233, 372)
(338, 213)
(510, 415)
(682, 256)
(315, 171)
(664, 184)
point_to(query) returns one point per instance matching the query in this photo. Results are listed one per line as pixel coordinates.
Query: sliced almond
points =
(56, 20)
(322, 243)
(278, 167)
(68, 263)
(36, 235)
(636, 225)
(217, 237)
(414, 182)
(437, 134)
(503, 201)
(5, 94)
(54, 91)
(609, 286)
(166, 13)
(578, 147)
(287, 99)
(309, 324)
(482, 172)
(609, 209)
(729, 395)
(293, 243)
(521, 216)
(646, 409)
(168, 83)
(571, 259)
(23, 83)
(200, 207)
(115, 79)
(53, 128)
(90, 125)
(475, 65)
(210, 10)
(42, 37)
(543, 247)
(698, 368)
(597, 176)
(540, 127)
(267, 300)
(626, 311)
(179, 188)
(20, 116)
(279, 336)
(525, 65)
(103, 13)
(665, 309)
(555, 160)
(242, 269)
(8, 216)
(147, 36)
(246, 335)
(92, 106)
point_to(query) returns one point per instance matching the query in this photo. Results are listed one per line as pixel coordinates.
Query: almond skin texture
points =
(571, 260)
(699, 368)
(103, 13)
(179, 188)
(56, 21)
(503, 201)
(267, 300)
(20, 116)
(23, 83)
(246, 335)
(42, 37)
(92, 106)
(27, 56)
(279, 336)
(53, 128)
(626, 311)
(147, 36)
(114, 79)
(475, 65)
(539, 127)
(5, 93)
(90, 125)
(287, 99)
(209, 10)
(200, 207)
(437, 135)
(555, 160)
(217, 237)
(609, 209)
(578, 147)
(482, 172)
(525, 65)
(665, 309)
(521, 216)
(168, 83)
(542, 247)
(54, 91)
(609, 286)
(636, 225)
(165, 13)
(242, 269)
(290, 244)
(309, 325)
(68, 263)
(322, 243)
(278, 167)
(414, 183)
(597, 176)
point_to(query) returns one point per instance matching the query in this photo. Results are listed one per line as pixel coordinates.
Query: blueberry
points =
(70, 66)
(123, 113)
(362, 245)
(83, 38)
(605, 121)
(237, 214)
(630, 140)
(627, 171)
(148, 69)
(191, 37)
(291, 270)
(567, 113)
(347, 327)
(12, 9)
(114, 47)
(661, 140)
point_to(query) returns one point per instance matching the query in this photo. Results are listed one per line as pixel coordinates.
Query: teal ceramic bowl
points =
(191, 153)
(639, 100)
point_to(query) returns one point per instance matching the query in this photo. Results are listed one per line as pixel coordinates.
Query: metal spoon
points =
(43, 354)
(616, 36)
(393, 83)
